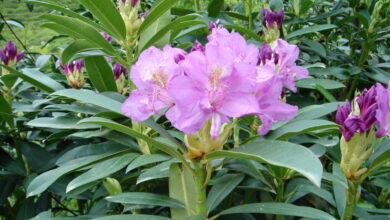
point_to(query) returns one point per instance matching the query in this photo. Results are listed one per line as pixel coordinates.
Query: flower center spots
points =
(160, 77)
(216, 73)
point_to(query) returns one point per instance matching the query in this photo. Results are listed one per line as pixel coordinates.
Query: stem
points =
(200, 189)
(197, 5)
(250, 14)
(236, 133)
(353, 197)
(279, 195)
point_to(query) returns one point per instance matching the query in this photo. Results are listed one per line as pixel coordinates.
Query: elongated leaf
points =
(214, 8)
(62, 122)
(43, 181)
(221, 189)
(310, 83)
(76, 28)
(182, 188)
(243, 31)
(36, 78)
(280, 209)
(106, 12)
(6, 111)
(101, 170)
(300, 127)
(310, 29)
(77, 47)
(126, 130)
(70, 13)
(278, 153)
(157, 10)
(156, 172)
(316, 111)
(145, 160)
(132, 217)
(339, 190)
(139, 198)
(380, 160)
(88, 96)
(100, 74)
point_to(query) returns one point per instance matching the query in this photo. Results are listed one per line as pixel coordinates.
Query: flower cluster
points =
(215, 82)
(129, 12)
(272, 22)
(9, 55)
(74, 73)
(369, 108)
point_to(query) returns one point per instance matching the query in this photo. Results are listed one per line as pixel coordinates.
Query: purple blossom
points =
(383, 111)
(197, 47)
(133, 2)
(265, 53)
(272, 17)
(214, 24)
(10, 54)
(361, 116)
(106, 36)
(72, 67)
(118, 70)
(152, 74)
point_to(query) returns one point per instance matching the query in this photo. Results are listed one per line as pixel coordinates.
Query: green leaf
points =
(339, 190)
(316, 111)
(126, 130)
(325, 93)
(145, 160)
(311, 83)
(101, 170)
(149, 35)
(36, 78)
(310, 29)
(157, 10)
(280, 209)
(100, 74)
(140, 198)
(6, 111)
(175, 25)
(381, 159)
(214, 8)
(243, 31)
(106, 12)
(315, 46)
(156, 172)
(277, 153)
(44, 180)
(132, 217)
(79, 29)
(76, 47)
(221, 189)
(182, 188)
(62, 122)
(300, 127)
(91, 97)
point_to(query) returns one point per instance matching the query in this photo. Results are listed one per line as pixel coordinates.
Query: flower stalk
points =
(200, 188)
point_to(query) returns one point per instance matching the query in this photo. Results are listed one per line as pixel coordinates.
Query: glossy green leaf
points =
(221, 189)
(182, 188)
(101, 170)
(157, 172)
(106, 12)
(140, 198)
(325, 93)
(214, 8)
(277, 153)
(6, 111)
(62, 122)
(311, 29)
(157, 10)
(310, 83)
(280, 209)
(381, 159)
(339, 190)
(79, 29)
(316, 111)
(76, 47)
(145, 160)
(100, 74)
(300, 127)
(132, 217)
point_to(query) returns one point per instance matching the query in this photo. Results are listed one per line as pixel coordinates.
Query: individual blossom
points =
(120, 77)
(383, 111)
(152, 75)
(74, 73)
(212, 88)
(214, 24)
(197, 47)
(360, 116)
(9, 55)
(272, 22)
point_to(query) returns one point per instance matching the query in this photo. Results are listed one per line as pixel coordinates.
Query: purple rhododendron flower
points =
(152, 74)
(10, 54)
(268, 92)
(272, 17)
(361, 116)
(118, 70)
(383, 111)
(288, 71)
(214, 24)
(212, 87)
(197, 47)
(71, 67)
